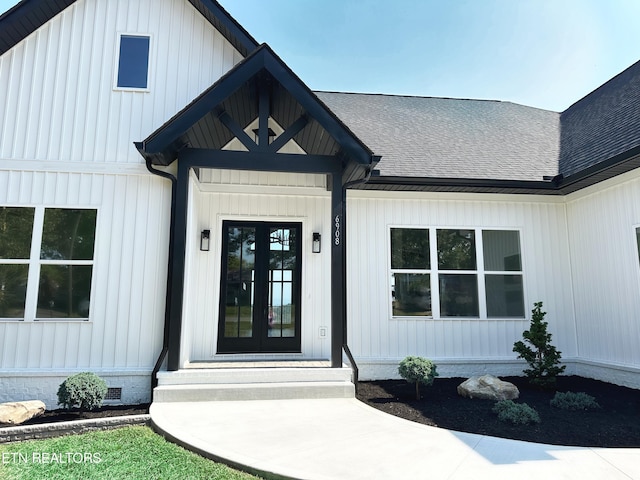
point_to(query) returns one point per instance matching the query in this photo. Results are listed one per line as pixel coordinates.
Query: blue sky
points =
(543, 53)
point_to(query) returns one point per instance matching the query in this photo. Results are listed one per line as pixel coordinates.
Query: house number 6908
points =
(336, 235)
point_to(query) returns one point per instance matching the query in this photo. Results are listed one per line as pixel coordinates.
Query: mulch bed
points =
(60, 415)
(615, 424)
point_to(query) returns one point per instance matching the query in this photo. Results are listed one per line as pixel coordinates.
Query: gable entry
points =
(260, 88)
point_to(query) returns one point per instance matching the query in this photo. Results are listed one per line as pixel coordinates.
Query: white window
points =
(46, 262)
(133, 62)
(448, 272)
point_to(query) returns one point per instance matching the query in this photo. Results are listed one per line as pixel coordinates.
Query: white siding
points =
(56, 86)
(606, 272)
(375, 337)
(203, 268)
(127, 303)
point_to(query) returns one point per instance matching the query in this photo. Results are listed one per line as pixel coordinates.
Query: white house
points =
(173, 195)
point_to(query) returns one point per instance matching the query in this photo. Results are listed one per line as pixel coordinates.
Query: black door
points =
(260, 287)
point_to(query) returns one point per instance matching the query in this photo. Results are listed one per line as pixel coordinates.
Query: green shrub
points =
(417, 370)
(573, 401)
(516, 413)
(542, 357)
(87, 390)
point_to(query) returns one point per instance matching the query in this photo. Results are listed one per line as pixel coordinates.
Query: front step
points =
(217, 384)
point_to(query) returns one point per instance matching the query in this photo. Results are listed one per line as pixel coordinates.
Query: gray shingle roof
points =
(603, 124)
(452, 138)
(424, 137)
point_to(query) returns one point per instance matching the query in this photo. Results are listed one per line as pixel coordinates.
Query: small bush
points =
(573, 401)
(418, 370)
(516, 413)
(87, 390)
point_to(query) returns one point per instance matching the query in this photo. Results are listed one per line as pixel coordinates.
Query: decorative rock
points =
(15, 413)
(488, 387)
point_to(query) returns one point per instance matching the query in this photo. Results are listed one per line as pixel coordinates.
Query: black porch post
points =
(338, 284)
(177, 279)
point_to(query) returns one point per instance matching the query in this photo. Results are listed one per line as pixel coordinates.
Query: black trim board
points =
(558, 186)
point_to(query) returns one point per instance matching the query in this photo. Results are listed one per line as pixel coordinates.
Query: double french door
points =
(260, 287)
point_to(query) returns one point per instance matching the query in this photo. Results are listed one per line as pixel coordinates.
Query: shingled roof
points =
(452, 138)
(603, 124)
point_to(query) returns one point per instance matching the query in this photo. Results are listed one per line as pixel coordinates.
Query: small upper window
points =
(133, 62)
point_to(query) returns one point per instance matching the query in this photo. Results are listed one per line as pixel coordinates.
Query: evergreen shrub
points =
(574, 401)
(418, 370)
(86, 390)
(516, 413)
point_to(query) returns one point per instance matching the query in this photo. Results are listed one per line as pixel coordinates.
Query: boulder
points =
(488, 387)
(15, 413)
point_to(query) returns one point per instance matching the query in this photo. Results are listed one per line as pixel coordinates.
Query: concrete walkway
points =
(346, 439)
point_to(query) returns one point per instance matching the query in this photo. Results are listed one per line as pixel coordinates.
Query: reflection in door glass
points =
(282, 265)
(240, 282)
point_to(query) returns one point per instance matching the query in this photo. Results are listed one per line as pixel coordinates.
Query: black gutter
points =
(165, 338)
(345, 343)
(466, 184)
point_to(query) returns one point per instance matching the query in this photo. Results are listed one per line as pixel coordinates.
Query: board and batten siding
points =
(310, 206)
(123, 336)
(460, 346)
(57, 85)
(606, 274)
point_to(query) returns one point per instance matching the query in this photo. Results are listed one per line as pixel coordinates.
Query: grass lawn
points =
(126, 453)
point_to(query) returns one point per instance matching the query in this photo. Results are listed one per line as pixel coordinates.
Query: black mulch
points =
(60, 415)
(615, 424)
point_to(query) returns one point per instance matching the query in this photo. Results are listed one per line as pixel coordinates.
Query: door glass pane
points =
(410, 248)
(501, 250)
(64, 291)
(13, 288)
(458, 295)
(240, 282)
(411, 294)
(456, 250)
(16, 225)
(505, 296)
(282, 272)
(68, 234)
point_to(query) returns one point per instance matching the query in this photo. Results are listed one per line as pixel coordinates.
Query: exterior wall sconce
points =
(205, 237)
(317, 238)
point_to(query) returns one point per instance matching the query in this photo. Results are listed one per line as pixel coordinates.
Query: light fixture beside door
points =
(205, 238)
(317, 242)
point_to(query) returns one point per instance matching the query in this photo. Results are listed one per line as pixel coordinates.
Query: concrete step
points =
(253, 391)
(248, 375)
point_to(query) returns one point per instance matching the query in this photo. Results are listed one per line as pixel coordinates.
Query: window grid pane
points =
(13, 290)
(133, 63)
(410, 248)
(64, 291)
(505, 296)
(411, 294)
(501, 250)
(68, 234)
(458, 295)
(456, 249)
(16, 228)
